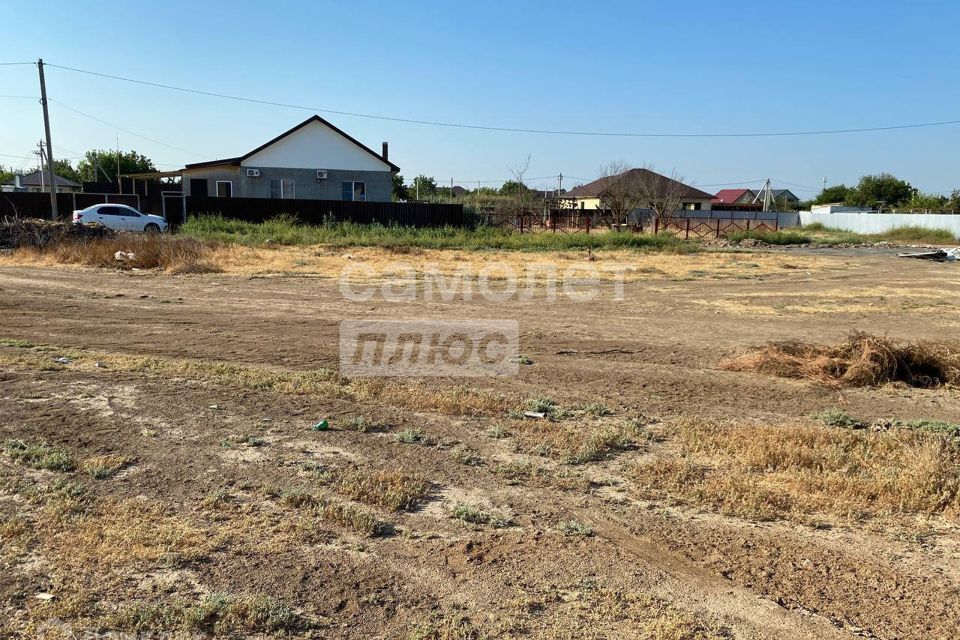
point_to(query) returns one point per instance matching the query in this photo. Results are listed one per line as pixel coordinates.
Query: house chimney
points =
(385, 154)
(18, 182)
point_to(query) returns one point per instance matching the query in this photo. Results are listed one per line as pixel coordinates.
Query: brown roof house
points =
(589, 196)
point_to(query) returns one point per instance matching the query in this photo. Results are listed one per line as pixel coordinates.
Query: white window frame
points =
(283, 193)
(353, 190)
(216, 188)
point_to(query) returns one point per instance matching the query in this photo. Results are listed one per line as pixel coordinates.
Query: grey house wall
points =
(379, 184)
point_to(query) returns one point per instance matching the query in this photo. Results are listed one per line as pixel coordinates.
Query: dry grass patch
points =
(418, 396)
(573, 443)
(102, 467)
(859, 361)
(149, 251)
(391, 490)
(802, 470)
(350, 516)
(124, 534)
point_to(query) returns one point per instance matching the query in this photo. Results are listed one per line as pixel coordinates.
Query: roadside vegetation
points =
(286, 230)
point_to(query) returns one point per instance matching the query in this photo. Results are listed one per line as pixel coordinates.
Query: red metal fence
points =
(701, 228)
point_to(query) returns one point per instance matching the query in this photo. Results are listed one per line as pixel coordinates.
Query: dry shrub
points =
(150, 251)
(801, 470)
(862, 360)
(36, 232)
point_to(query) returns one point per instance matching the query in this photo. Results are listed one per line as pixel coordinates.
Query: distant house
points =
(588, 196)
(785, 195)
(733, 197)
(37, 181)
(314, 160)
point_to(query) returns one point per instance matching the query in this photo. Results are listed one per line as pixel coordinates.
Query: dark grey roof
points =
(34, 180)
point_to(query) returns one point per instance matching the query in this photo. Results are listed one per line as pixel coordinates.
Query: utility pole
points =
(559, 184)
(46, 129)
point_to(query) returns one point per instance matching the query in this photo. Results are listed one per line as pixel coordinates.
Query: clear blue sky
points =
(687, 67)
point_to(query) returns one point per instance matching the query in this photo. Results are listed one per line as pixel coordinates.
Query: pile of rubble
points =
(36, 232)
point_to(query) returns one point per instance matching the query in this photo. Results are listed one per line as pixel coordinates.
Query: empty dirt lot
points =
(163, 475)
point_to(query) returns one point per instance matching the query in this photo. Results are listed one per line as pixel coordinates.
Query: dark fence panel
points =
(412, 214)
(22, 204)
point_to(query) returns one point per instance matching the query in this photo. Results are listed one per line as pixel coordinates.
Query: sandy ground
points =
(650, 568)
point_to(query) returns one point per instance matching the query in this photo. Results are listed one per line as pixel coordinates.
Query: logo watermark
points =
(476, 348)
(493, 282)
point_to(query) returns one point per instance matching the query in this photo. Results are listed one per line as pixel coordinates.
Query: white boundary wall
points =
(880, 222)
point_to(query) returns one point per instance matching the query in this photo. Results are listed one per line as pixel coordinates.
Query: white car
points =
(120, 217)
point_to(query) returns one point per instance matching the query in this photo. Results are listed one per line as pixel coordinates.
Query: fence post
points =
(748, 224)
(656, 225)
(718, 227)
(686, 235)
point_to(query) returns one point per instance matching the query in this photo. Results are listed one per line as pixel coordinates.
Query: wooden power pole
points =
(46, 127)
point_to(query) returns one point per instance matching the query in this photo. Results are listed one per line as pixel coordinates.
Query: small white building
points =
(838, 208)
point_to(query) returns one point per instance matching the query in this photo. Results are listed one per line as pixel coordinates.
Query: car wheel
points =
(151, 228)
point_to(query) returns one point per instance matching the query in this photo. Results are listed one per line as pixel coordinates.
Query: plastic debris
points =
(536, 415)
(323, 425)
(214, 407)
(124, 256)
(63, 360)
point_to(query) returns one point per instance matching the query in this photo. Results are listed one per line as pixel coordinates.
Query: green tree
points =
(400, 191)
(927, 202)
(513, 188)
(64, 169)
(6, 174)
(830, 195)
(881, 188)
(130, 162)
(424, 187)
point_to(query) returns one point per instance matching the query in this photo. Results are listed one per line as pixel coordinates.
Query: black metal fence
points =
(21, 204)
(411, 214)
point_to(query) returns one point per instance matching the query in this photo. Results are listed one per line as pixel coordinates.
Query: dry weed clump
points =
(572, 443)
(799, 471)
(392, 490)
(175, 255)
(350, 516)
(862, 360)
(218, 614)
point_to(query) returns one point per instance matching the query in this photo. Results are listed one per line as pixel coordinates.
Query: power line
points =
(457, 125)
(127, 131)
(10, 64)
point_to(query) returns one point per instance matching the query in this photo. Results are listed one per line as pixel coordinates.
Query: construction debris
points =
(938, 255)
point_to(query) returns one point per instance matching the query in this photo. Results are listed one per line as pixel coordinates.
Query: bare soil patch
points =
(160, 473)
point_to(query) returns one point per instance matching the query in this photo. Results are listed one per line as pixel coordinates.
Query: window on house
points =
(284, 188)
(224, 189)
(353, 191)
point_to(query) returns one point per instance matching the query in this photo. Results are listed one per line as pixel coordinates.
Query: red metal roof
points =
(729, 196)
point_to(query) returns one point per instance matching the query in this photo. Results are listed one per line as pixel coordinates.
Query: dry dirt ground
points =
(165, 478)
